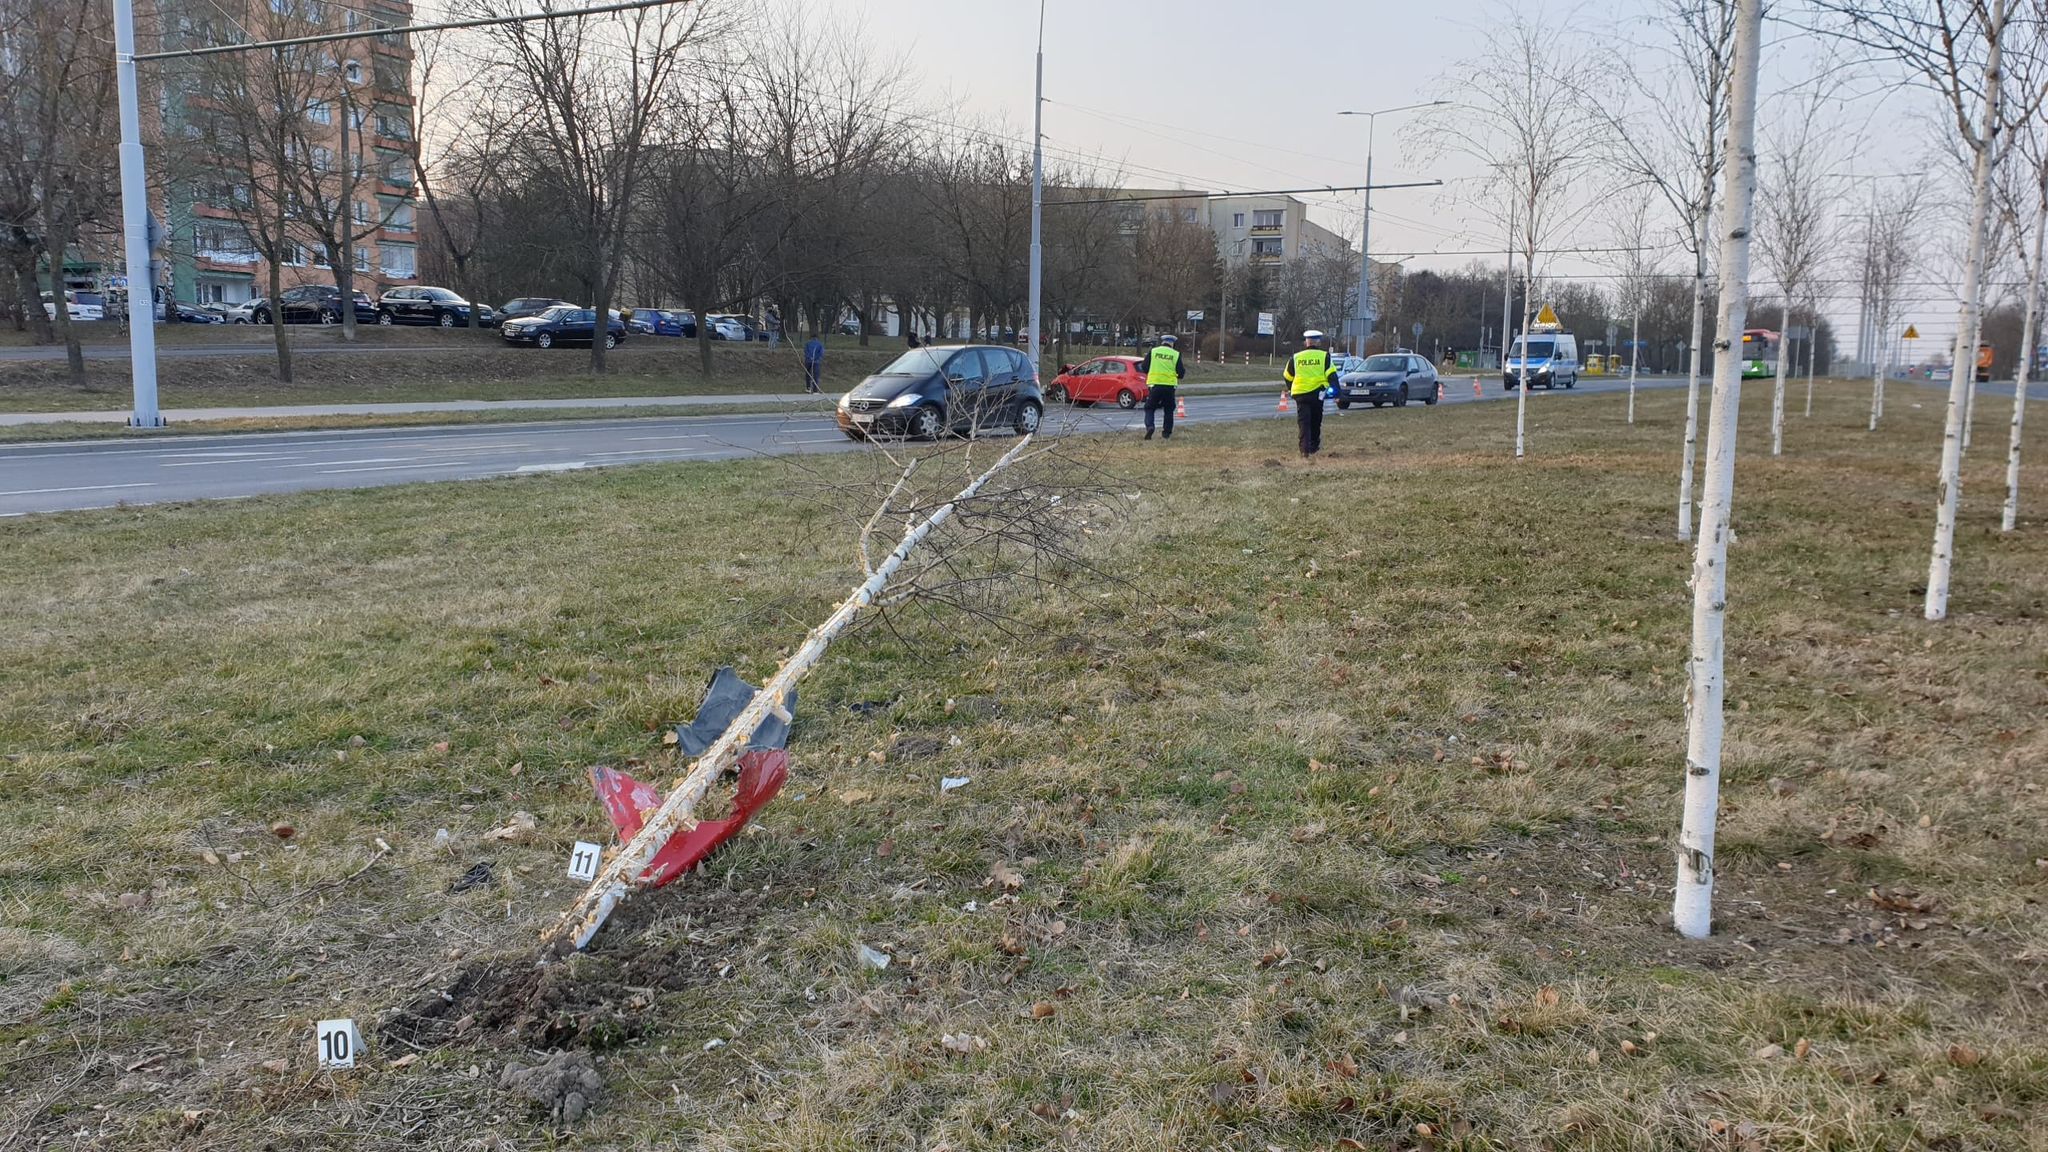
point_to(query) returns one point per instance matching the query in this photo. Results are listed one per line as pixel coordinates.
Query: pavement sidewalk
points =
(766, 401)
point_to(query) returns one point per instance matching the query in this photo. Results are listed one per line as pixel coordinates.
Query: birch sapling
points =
(1692, 900)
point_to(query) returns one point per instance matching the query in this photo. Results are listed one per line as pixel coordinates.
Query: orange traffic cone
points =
(1476, 393)
(1283, 403)
(1180, 407)
(1439, 389)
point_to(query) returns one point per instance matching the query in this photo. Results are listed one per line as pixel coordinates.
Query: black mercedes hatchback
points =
(938, 389)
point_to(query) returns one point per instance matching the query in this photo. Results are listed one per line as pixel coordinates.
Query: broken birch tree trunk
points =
(621, 874)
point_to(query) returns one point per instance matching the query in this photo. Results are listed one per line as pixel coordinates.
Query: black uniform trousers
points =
(1308, 417)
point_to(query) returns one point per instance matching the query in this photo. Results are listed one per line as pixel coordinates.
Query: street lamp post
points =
(1365, 315)
(1037, 195)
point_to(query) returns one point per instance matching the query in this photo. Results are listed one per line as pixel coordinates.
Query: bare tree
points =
(591, 92)
(1956, 48)
(2024, 189)
(1693, 896)
(1524, 114)
(56, 148)
(1636, 278)
(1667, 129)
(1796, 228)
(1888, 253)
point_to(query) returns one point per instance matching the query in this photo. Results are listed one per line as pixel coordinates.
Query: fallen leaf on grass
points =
(1008, 878)
(283, 831)
(853, 796)
(1547, 996)
(278, 1067)
(521, 830)
(132, 900)
(1345, 1067)
(1038, 1011)
(885, 849)
(1221, 1094)
(963, 1043)
(1964, 1056)
(1901, 900)
(406, 1061)
(1274, 955)
(1769, 1052)
(1991, 1113)
(1800, 1049)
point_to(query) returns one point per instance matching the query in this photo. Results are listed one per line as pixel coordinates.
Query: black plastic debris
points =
(474, 878)
(724, 699)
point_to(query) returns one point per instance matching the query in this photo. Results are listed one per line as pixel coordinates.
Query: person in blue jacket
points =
(814, 365)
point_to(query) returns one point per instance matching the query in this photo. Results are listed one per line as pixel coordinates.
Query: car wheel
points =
(1125, 398)
(1058, 395)
(327, 317)
(611, 340)
(544, 340)
(1029, 413)
(259, 317)
(384, 320)
(1401, 401)
(447, 320)
(927, 424)
(1429, 397)
(1343, 405)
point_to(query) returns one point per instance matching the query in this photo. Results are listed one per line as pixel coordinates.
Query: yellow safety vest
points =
(1160, 369)
(1309, 371)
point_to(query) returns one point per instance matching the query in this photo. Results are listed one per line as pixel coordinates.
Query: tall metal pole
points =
(135, 225)
(1365, 249)
(1037, 192)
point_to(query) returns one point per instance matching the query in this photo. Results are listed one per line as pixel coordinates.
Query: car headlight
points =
(845, 401)
(907, 400)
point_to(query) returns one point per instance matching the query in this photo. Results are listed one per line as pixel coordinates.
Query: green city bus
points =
(1759, 353)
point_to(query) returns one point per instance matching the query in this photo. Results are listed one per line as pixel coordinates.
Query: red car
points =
(1104, 380)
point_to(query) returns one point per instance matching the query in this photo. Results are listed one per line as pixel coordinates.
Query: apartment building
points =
(351, 126)
(1269, 231)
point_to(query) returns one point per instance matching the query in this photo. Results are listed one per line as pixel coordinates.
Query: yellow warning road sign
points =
(1547, 317)
(1912, 333)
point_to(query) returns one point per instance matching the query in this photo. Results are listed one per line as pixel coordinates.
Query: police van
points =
(1550, 354)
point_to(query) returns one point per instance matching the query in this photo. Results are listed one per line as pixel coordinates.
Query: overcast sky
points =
(1245, 95)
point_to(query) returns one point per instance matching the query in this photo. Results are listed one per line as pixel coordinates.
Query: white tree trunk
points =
(1812, 339)
(1692, 383)
(1522, 389)
(1692, 902)
(1877, 380)
(1778, 394)
(1970, 397)
(621, 873)
(1948, 491)
(2011, 517)
(1635, 351)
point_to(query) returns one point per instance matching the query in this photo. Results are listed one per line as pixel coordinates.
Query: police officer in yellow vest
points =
(1308, 374)
(1163, 373)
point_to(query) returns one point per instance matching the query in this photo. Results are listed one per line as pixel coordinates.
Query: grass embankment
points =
(1345, 821)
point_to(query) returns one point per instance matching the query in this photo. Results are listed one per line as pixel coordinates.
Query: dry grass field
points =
(1338, 814)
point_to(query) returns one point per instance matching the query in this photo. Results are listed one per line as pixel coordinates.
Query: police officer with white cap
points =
(1308, 374)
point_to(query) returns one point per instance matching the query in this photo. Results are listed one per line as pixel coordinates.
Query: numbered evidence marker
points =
(337, 1042)
(584, 860)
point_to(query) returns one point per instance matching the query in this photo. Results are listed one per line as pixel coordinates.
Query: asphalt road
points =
(96, 474)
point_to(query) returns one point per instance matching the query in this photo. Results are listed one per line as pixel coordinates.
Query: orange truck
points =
(1983, 363)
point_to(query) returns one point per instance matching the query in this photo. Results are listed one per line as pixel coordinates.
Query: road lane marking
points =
(217, 463)
(80, 488)
(365, 460)
(399, 467)
(687, 436)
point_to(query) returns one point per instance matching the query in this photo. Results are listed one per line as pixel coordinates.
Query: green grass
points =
(1269, 898)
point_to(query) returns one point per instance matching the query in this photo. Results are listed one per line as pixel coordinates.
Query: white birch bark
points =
(1692, 384)
(1949, 483)
(1635, 351)
(2011, 516)
(1778, 394)
(1692, 901)
(1877, 382)
(580, 924)
(1522, 388)
(1812, 339)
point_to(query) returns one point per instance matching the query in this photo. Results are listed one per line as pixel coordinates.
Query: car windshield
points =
(916, 362)
(558, 312)
(1385, 363)
(1538, 349)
